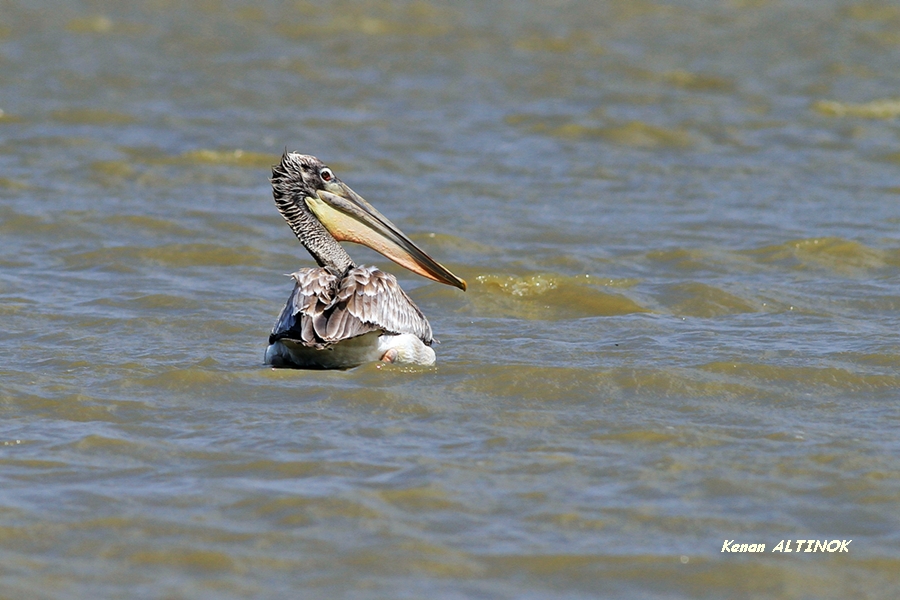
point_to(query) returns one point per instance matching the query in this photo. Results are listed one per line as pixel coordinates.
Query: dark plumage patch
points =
(296, 174)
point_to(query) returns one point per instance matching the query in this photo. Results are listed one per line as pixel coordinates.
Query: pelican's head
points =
(346, 215)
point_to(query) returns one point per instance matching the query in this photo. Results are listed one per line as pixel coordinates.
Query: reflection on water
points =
(679, 222)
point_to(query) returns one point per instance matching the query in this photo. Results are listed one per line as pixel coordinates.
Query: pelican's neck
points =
(326, 250)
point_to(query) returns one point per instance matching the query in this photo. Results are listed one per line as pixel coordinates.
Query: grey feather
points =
(324, 309)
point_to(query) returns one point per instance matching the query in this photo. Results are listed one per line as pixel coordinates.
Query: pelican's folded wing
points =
(368, 300)
(306, 311)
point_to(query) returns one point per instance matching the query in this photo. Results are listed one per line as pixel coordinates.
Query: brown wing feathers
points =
(324, 310)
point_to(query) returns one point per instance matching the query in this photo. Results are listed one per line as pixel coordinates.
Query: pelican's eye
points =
(326, 174)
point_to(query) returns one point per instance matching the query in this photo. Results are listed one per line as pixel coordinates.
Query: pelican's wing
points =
(371, 300)
(306, 311)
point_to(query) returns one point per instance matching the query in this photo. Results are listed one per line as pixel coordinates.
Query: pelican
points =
(340, 315)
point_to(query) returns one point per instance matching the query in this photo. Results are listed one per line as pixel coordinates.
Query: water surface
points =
(678, 221)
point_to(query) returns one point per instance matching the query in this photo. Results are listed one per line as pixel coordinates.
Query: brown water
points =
(679, 223)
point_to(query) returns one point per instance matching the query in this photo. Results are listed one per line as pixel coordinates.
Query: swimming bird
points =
(340, 315)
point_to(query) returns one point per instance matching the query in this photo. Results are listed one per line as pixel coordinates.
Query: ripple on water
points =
(392, 20)
(696, 260)
(636, 134)
(168, 255)
(421, 499)
(695, 299)
(64, 225)
(13, 185)
(197, 560)
(546, 297)
(699, 82)
(77, 407)
(231, 157)
(154, 168)
(104, 445)
(417, 556)
(236, 157)
(295, 469)
(91, 116)
(576, 40)
(787, 377)
(876, 109)
(13, 305)
(833, 254)
(194, 378)
(299, 510)
(578, 385)
(148, 302)
(154, 225)
(668, 574)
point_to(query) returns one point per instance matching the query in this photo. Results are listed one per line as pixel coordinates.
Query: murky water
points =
(679, 223)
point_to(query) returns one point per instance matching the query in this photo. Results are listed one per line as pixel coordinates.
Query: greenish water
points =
(679, 225)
